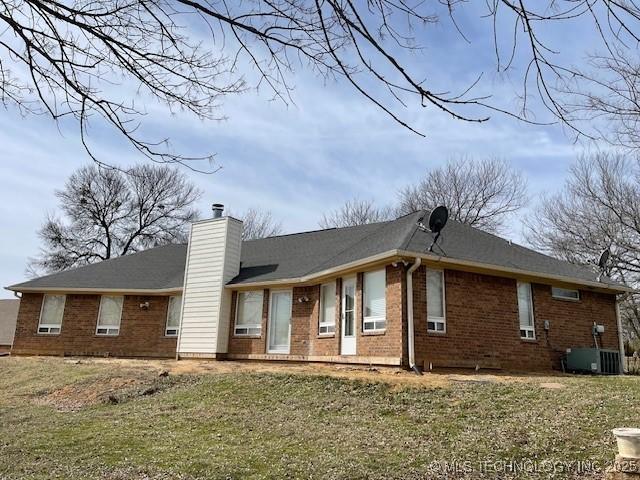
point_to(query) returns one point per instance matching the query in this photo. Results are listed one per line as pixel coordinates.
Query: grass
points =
(61, 419)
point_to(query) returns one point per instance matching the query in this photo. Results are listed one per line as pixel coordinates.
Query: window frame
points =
(328, 326)
(556, 296)
(109, 330)
(374, 323)
(529, 330)
(50, 326)
(166, 325)
(432, 319)
(252, 330)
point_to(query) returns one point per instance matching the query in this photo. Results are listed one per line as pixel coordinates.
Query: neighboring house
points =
(371, 294)
(8, 317)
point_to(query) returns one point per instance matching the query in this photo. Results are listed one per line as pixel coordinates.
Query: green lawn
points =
(60, 419)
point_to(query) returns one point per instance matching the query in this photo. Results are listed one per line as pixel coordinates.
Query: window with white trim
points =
(436, 311)
(327, 324)
(525, 311)
(374, 300)
(51, 314)
(109, 315)
(565, 293)
(173, 316)
(249, 313)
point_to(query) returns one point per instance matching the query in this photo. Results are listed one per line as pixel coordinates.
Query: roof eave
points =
(517, 272)
(391, 254)
(124, 291)
(318, 276)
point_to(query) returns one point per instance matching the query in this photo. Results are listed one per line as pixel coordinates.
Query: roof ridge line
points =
(320, 230)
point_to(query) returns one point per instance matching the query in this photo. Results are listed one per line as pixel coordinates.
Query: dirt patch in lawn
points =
(78, 395)
(394, 376)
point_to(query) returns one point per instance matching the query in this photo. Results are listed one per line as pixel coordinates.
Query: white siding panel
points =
(213, 259)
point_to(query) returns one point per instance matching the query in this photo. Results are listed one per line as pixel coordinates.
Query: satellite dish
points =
(604, 258)
(438, 218)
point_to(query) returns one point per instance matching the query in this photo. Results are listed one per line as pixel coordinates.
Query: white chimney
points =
(213, 258)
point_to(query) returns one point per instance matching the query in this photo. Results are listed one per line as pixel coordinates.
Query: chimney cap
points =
(217, 209)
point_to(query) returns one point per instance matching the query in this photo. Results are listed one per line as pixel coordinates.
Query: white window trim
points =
(325, 324)
(377, 318)
(49, 326)
(527, 328)
(166, 324)
(561, 297)
(249, 326)
(111, 331)
(437, 320)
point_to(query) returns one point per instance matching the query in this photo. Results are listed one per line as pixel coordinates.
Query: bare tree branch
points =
(355, 212)
(258, 223)
(598, 208)
(482, 193)
(107, 213)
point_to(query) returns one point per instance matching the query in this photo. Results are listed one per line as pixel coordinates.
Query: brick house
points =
(371, 294)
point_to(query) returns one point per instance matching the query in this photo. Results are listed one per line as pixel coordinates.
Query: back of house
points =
(370, 294)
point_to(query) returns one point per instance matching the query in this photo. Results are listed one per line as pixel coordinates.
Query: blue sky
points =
(297, 160)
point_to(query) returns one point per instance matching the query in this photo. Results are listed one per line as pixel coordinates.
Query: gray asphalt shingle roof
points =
(302, 254)
(155, 269)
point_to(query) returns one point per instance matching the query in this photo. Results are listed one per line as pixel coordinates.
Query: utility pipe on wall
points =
(620, 339)
(410, 329)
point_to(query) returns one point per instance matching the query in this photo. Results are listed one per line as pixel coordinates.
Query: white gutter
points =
(389, 254)
(453, 263)
(620, 340)
(410, 329)
(124, 291)
(517, 271)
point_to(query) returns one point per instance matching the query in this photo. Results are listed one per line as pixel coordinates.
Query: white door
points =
(348, 327)
(279, 322)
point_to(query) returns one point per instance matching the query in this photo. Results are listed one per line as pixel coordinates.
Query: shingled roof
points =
(303, 255)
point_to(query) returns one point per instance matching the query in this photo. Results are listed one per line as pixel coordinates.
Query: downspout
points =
(410, 329)
(620, 340)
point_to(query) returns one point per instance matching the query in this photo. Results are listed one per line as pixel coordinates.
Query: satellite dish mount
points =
(602, 262)
(437, 220)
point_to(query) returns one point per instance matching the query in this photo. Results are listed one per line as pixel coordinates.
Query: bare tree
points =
(107, 214)
(598, 208)
(258, 224)
(482, 193)
(355, 212)
(64, 58)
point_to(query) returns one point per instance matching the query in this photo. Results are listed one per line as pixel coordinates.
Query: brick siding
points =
(142, 332)
(305, 316)
(481, 321)
(483, 327)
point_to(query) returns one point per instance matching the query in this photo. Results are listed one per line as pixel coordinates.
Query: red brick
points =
(141, 331)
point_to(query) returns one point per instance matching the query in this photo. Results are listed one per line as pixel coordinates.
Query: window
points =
(249, 313)
(565, 293)
(51, 314)
(327, 309)
(173, 316)
(525, 311)
(109, 315)
(375, 303)
(436, 316)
